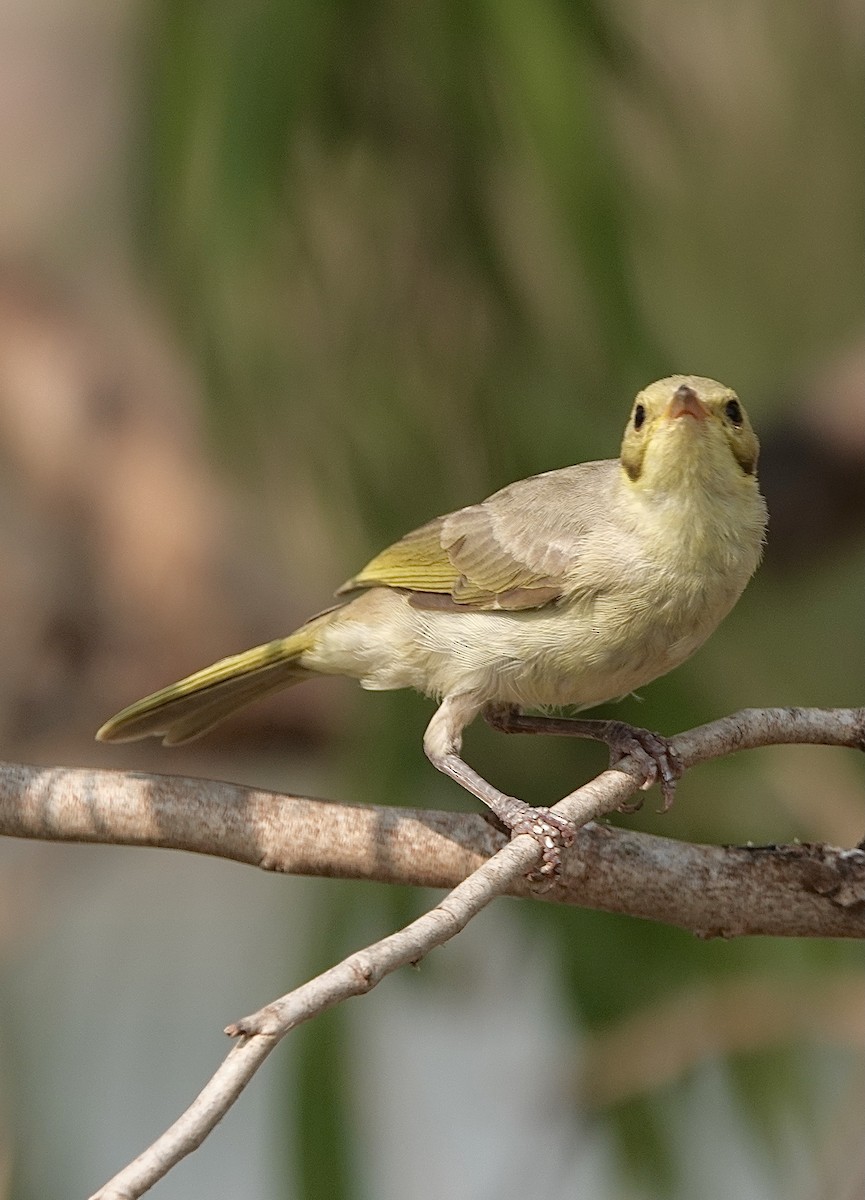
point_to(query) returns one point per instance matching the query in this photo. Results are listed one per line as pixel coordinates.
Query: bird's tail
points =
(186, 709)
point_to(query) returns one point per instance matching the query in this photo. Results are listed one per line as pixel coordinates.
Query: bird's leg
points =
(652, 752)
(442, 744)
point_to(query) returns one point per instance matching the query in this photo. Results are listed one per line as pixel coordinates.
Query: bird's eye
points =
(639, 416)
(733, 412)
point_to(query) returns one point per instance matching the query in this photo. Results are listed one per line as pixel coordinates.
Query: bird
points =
(567, 589)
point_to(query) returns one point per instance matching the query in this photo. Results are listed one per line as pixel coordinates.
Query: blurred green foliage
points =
(421, 250)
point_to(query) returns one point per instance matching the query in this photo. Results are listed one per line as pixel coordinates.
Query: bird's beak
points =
(686, 403)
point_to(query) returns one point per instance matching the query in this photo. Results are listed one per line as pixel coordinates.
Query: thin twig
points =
(355, 975)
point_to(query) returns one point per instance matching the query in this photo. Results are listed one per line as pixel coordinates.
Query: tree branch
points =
(709, 889)
(796, 891)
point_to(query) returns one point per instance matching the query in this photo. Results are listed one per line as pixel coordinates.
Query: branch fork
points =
(816, 891)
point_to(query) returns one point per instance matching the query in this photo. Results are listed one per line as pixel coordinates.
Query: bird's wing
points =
(516, 550)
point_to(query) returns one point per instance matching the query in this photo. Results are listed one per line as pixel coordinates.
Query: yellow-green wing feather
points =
(517, 550)
(418, 562)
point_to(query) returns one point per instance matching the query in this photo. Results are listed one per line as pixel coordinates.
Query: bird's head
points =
(687, 428)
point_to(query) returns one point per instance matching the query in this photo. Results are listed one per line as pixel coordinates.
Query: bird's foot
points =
(551, 832)
(652, 752)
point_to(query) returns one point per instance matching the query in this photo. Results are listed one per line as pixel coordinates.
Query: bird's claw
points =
(655, 756)
(552, 833)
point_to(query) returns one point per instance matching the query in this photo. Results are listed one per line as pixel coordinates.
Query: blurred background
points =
(278, 282)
